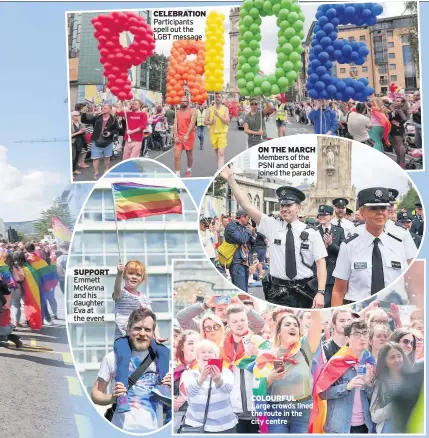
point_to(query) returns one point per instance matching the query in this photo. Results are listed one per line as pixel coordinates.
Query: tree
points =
(21, 236)
(158, 73)
(44, 223)
(409, 199)
(217, 187)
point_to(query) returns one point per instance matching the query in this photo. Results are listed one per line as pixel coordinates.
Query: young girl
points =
(127, 300)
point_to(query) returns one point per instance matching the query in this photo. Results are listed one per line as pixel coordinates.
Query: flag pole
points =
(116, 225)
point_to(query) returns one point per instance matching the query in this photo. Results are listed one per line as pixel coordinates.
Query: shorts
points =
(97, 152)
(218, 141)
(187, 146)
(280, 123)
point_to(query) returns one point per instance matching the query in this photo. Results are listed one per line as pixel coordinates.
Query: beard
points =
(183, 105)
(139, 345)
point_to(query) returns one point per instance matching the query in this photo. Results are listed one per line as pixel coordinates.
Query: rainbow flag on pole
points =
(47, 273)
(137, 200)
(32, 301)
(60, 230)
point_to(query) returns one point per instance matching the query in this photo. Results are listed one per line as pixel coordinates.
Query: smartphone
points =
(216, 362)
(222, 299)
(278, 365)
(200, 299)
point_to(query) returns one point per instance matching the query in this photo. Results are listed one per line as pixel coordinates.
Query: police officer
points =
(339, 219)
(419, 221)
(294, 248)
(370, 261)
(333, 237)
(405, 221)
(301, 216)
(349, 214)
(358, 218)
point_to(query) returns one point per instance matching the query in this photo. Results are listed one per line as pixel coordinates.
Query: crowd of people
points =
(280, 370)
(325, 262)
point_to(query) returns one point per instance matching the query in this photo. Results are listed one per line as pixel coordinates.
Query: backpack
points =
(226, 253)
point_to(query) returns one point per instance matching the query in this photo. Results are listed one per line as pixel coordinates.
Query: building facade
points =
(2, 230)
(155, 241)
(390, 58)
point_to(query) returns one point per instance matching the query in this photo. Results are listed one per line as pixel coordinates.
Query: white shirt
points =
(397, 231)
(349, 228)
(354, 263)
(208, 239)
(144, 416)
(358, 125)
(313, 250)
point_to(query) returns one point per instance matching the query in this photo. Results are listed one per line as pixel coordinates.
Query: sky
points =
(33, 87)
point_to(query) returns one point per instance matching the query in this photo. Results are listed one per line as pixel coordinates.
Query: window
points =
(342, 70)
(392, 66)
(352, 38)
(353, 71)
(250, 197)
(364, 68)
(394, 78)
(362, 38)
(405, 38)
(382, 69)
(257, 202)
(390, 45)
(390, 33)
(391, 56)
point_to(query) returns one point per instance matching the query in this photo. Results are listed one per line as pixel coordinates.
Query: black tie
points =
(326, 231)
(339, 223)
(290, 254)
(377, 278)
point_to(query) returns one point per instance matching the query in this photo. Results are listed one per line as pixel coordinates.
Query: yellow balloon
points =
(214, 49)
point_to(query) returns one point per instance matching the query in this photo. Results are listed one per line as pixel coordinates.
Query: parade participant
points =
(378, 337)
(419, 328)
(380, 125)
(217, 119)
(339, 219)
(208, 239)
(254, 122)
(208, 391)
(340, 318)
(358, 123)
(212, 328)
(398, 116)
(128, 299)
(370, 261)
(333, 237)
(201, 117)
(184, 136)
(406, 338)
(345, 383)
(301, 216)
(324, 119)
(285, 374)
(105, 129)
(62, 265)
(388, 379)
(405, 221)
(294, 248)
(416, 111)
(418, 223)
(281, 117)
(78, 140)
(145, 413)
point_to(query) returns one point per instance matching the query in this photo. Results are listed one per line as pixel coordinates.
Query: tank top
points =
(218, 127)
(183, 120)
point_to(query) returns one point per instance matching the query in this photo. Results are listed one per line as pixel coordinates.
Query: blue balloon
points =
(314, 42)
(324, 8)
(323, 57)
(323, 20)
(317, 49)
(328, 65)
(309, 86)
(338, 44)
(368, 91)
(344, 19)
(320, 34)
(313, 78)
(309, 71)
(321, 70)
(319, 86)
(349, 11)
(331, 90)
(363, 51)
(366, 13)
(318, 15)
(331, 13)
(329, 50)
(316, 28)
(358, 8)
(335, 21)
(376, 9)
(328, 28)
(340, 85)
(355, 45)
(312, 57)
(342, 60)
(313, 93)
(364, 81)
(333, 35)
(316, 63)
(347, 50)
(359, 97)
(326, 41)
(358, 86)
(360, 61)
(324, 94)
(340, 8)
(371, 21)
(326, 78)
(338, 54)
(339, 96)
(354, 56)
(349, 92)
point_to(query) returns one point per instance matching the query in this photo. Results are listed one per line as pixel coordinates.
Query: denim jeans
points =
(239, 275)
(50, 296)
(296, 424)
(16, 304)
(122, 350)
(200, 134)
(261, 252)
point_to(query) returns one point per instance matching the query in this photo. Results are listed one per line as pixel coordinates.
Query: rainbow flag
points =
(60, 230)
(137, 200)
(5, 274)
(47, 273)
(32, 305)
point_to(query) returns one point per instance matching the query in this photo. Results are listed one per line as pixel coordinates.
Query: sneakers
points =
(163, 394)
(49, 323)
(122, 404)
(188, 174)
(55, 317)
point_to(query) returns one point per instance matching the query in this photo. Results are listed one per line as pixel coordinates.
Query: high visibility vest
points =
(200, 117)
(280, 112)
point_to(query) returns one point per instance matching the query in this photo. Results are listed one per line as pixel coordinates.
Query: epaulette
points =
(352, 237)
(394, 237)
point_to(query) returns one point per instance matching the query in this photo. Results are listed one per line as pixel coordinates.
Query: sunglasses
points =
(209, 328)
(253, 104)
(408, 342)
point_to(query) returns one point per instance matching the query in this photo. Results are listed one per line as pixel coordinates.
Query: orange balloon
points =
(177, 87)
(176, 100)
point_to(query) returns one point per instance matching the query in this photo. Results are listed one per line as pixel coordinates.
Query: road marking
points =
(67, 358)
(74, 386)
(33, 342)
(84, 426)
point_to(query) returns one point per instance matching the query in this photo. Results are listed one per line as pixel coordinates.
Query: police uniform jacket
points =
(333, 250)
(418, 225)
(349, 228)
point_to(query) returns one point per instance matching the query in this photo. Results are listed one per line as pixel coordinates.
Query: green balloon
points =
(257, 53)
(254, 28)
(263, 13)
(255, 69)
(242, 28)
(283, 14)
(286, 4)
(252, 93)
(276, 9)
(258, 80)
(249, 76)
(257, 91)
(291, 76)
(275, 2)
(281, 58)
(247, 36)
(295, 41)
(254, 13)
(295, 7)
(301, 16)
(279, 50)
(247, 20)
(298, 65)
(248, 4)
(241, 83)
(289, 33)
(257, 21)
(301, 34)
(265, 86)
(283, 83)
(257, 37)
(284, 25)
(299, 49)
(259, 4)
(243, 91)
(272, 79)
(250, 86)
(287, 48)
(246, 67)
(247, 52)
(298, 25)
(254, 45)
(275, 89)
(292, 17)
(242, 60)
(294, 56)
(268, 7)
(253, 60)
(240, 74)
(287, 66)
(242, 44)
(282, 40)
(279, 73)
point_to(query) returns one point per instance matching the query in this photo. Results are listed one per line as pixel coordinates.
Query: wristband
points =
(321, 292)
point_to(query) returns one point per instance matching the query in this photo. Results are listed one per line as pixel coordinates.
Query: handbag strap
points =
(141, 368)
(207, 404)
